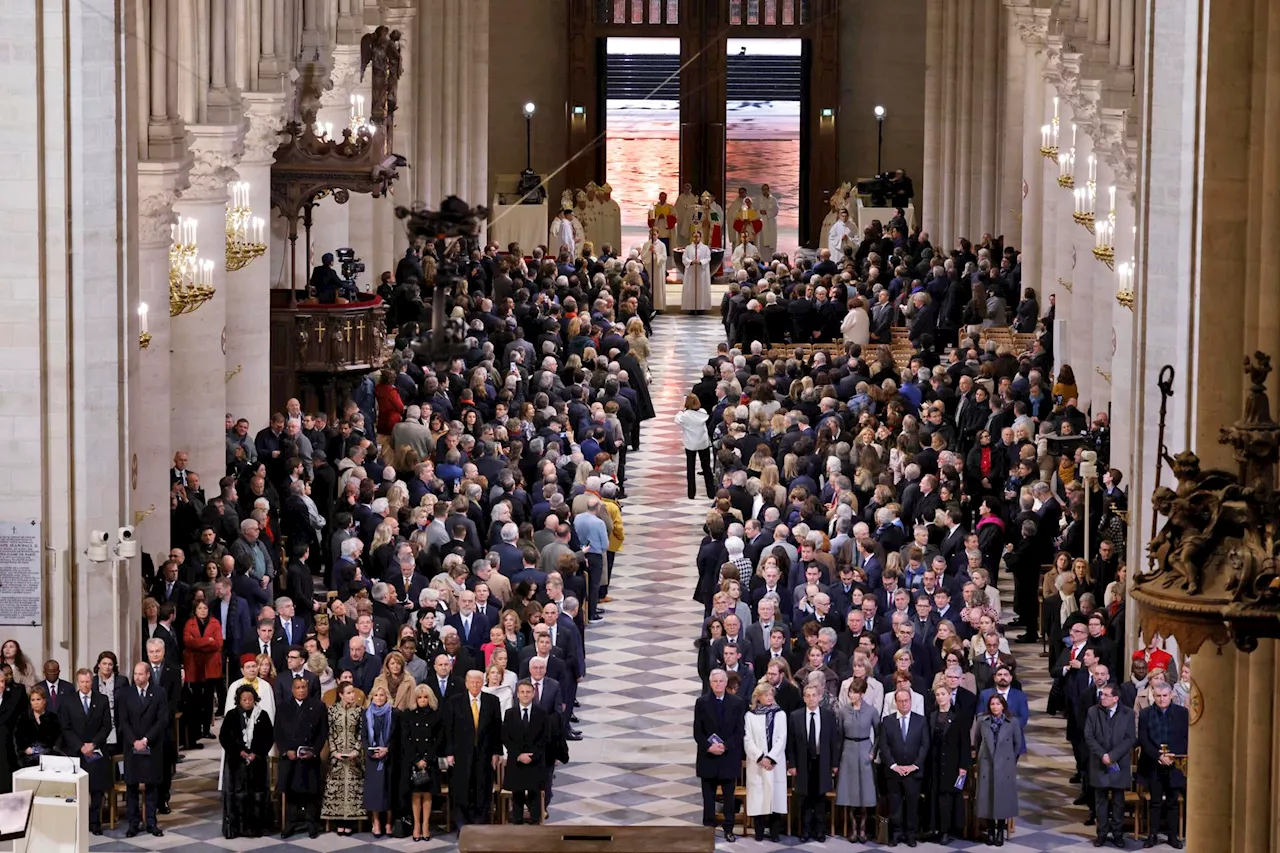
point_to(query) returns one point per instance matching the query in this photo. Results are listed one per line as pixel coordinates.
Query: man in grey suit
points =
(1110, 734)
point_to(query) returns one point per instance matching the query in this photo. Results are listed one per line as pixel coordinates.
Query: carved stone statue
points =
(378, 49)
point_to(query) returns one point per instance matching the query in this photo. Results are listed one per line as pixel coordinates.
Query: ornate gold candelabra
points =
(1104, 246)
(190, 278)
(1124, 289)
(245, 232)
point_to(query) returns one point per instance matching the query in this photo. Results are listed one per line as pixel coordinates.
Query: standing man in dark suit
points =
(300, 587)
(289, 629)
(472, 747)
(85, 718)
(168, 589)
(719, 721)
(443, 682)
(1163, 730)
(904, 743)
(232, 613)
(301, 729)
(295, 660)
(813, 757)
(143, 717)
(525, 734)
(167, 678)
(1109, 734)
(472, 628)
(57, 687)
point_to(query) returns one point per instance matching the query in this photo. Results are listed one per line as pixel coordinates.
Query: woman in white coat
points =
(692, 420)
(696, 293)
(766, 747)
(856, 325)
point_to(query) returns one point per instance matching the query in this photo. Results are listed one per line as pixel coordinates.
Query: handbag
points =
(420, 777)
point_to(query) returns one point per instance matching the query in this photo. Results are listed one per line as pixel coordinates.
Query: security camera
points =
(128, 547)
(97, 550)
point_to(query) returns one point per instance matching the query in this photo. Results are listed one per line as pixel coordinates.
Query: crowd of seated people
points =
(864, 513)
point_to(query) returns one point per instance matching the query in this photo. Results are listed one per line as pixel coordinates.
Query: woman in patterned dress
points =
(344, 787)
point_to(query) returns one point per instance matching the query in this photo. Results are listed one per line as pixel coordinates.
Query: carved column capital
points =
(1033, 24)
(266, 116)
(344, 78)
(160, 184)
(215, 151)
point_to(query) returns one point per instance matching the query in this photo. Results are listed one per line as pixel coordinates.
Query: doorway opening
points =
(642, 121)
(762, 133)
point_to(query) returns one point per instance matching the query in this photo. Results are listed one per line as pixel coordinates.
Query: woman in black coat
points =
(947, 766)
(13, 706)
(38, 730)
(246, 737)
(420, 734)
(711, 556)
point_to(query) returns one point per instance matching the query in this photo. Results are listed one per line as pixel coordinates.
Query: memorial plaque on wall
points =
(20, 573)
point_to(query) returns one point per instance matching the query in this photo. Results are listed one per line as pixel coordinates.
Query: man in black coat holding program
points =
(904, 743)
(719, 721)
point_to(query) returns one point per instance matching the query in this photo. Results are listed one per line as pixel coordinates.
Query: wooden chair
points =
(503, 798)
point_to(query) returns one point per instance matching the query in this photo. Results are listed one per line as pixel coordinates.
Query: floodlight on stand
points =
(880, 113)
(529, 108)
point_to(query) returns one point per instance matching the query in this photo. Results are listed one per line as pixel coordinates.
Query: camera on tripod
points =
(351, 265)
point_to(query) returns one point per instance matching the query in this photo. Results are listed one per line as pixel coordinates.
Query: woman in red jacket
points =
(390, 406)
(202, 668)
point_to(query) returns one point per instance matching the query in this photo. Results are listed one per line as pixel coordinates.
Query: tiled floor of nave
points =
(635, 764)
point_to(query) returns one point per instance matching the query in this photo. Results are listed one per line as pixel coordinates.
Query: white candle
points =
(142, 318)
(1073, 137)
(1111, 191)
(1055, 108)
(1093, 169)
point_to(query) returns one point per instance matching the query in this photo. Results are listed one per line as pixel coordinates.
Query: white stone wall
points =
(62, 344)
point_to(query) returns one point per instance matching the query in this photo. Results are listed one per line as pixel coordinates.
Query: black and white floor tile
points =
(635, 764)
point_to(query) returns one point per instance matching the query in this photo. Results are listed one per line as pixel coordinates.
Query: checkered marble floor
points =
(634, 766)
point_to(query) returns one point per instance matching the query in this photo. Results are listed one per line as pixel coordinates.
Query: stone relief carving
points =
(155, 215)
(263, 136)
(343, 79)
(211, 171)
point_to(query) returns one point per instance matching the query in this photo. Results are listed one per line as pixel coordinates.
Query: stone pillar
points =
(1212, 746)
(1122, 320)
(330, 228)
(1008, 215)
(453, 91)
(931, 206)
(249, 289)
(1078, 248)
(390, 240)
(987, 99)
(948, 114)
(197, 377)
(159, 185)
(1259, 819)
(1034, 23)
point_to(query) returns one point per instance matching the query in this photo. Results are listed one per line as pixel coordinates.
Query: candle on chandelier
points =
(1073, 137)
(1111, 191)
(1055, 109)
(1044, 136)
(1093, 169)
(142, 318)
(258, 227)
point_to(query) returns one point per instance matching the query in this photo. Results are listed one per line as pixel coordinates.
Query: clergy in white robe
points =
(745, 249)
(662, 216)
(562, 235)
(686, 203)
(609, 220)
(696, 293)
(736, 204)
(768, 209)
(840, 236)
(653, 256)
(582, 215)
(579, 235)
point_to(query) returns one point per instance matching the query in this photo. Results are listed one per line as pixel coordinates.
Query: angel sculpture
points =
(375, 49)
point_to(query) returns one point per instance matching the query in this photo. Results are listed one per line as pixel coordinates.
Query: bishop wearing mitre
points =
(768, 208)
(709, 219)
(736, 204)
(686, 206)
(608, 220)
(662, 218)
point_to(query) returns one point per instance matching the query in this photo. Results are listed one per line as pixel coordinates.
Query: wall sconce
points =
(1104, 245)
(1124, 289)
(144, 337)
(579, 110)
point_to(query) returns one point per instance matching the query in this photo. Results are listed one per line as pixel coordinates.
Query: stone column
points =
(1034, 24)
(1122, 321)
(197, 375)
(1212, 745)
(948, 114)
(987, 99)
(149, 391)
(330, 229)
(1008, 217)
(1078, 246)
(453, 91)
(249, 289)
(931, 190)
(390, 240)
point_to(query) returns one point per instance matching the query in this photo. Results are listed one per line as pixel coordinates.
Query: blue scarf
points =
(378, 721)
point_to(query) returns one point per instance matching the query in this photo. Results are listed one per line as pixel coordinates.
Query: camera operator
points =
(901, 190)
(326, 282)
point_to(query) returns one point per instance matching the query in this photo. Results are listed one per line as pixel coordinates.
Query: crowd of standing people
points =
(866, 501)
